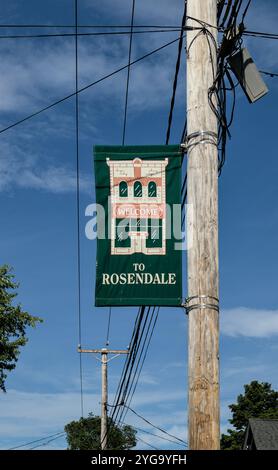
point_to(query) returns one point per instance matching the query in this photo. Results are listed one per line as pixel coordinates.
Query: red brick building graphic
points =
(138, 206)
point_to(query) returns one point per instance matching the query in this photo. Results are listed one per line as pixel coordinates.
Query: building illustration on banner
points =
(138, 206)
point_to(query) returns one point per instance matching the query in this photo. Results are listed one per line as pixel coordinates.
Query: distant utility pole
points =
(202, 181)
(104, 390)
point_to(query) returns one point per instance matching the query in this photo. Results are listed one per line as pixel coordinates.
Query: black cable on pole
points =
(130, 386)
(122, 423)
(156, 427)
(232, 18)
(138, 339)
(271, 74)
(223, 20)
(245, 11)
(175, 82)
(95, 26)
(128, 357)
(259, 34)
(128, 69)
(130, 381)
(102, 33)
(138, 332)
(129, 364)
(81, 90)
(142, 358)
(108, 326)
(78, 210)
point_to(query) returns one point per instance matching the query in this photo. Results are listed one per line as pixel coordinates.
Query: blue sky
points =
(38, 217)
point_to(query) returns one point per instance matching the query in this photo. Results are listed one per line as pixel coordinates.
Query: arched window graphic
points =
(123, 189)
(151, 189)
(137, 189)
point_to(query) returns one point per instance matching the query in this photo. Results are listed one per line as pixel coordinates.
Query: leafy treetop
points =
(13, 324)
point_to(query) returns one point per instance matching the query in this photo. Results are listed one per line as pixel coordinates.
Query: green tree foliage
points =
(258, 401)
(85, 434)
(13, 324)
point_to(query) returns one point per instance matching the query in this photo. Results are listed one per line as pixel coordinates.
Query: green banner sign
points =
(138, 262)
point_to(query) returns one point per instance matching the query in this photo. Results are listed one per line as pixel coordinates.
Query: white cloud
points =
(263, 16)
(28, 415)
(20, 168)
(245, 371)
(53, 179)
(249, 322)
(38, 73)
(146, 11)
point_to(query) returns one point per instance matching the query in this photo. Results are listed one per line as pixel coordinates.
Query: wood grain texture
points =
(104, 397)
(202, 177)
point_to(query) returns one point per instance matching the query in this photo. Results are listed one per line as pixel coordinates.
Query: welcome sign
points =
(137, 259)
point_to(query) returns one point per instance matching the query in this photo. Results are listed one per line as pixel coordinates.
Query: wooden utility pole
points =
(104, 400)
(104, 388)
(202, 181)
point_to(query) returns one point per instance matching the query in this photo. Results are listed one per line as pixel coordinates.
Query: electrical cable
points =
(36, 440)
(221, 99)
(105, 33)
(45, 443)
(81, 90)
(156, 427)
(142, 359)
(128, 70)
(85, 26)
(147, 443)
(140, 362)
(108, 326)
(125, 115)
(271, 74)
(175, 82)
(130, 389)
(128, 357)
(78, 211)
(131, 384)
(259, 34)
(151, 433)
(245, 11)
(124, 393)
(128, 366)
(225, 14)
(220, 7)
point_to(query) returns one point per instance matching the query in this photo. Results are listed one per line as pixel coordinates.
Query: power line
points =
(86, 26)
(156, 427)
(81, 90)
(127, 385)
(147, 443)
(129, 357)
(175, 82)
(136, 349)
(151, 433)
(108, 326)
(102, 33)
(36, 440)
(144, 352)
(45, 443)
(125, 115)
(123, 389)
(271, 74)
(137, 339)
(246, 10)
(78, 211)
(128, 69)
(260, 34)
